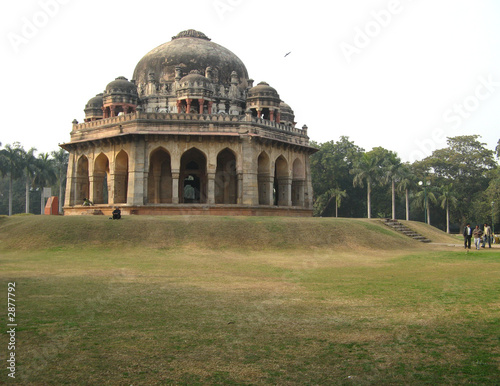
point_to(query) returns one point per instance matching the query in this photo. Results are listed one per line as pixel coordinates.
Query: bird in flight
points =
(288, 54)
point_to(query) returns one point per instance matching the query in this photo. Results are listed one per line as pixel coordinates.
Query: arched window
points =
(193, 177)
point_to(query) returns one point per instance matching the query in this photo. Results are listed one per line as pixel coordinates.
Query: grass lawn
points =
(197, 300)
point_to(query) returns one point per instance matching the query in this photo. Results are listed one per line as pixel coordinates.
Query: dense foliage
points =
(454, 185)
(24, 175)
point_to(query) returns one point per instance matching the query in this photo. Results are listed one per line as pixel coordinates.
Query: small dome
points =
(95, 102)
(121, 85)
(263, 90)
(284, 107)
(194, 78)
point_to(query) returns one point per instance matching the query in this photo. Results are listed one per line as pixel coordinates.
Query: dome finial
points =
(191, 33)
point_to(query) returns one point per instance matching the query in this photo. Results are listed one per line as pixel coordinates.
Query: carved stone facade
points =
(189, 135)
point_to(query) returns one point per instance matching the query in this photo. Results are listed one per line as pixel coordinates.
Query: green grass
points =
(202, 300)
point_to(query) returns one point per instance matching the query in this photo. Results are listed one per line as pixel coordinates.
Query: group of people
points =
(480, 236)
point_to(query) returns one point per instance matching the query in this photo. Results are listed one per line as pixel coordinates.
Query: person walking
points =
(467, 236)
(477, 233)
(487, 235)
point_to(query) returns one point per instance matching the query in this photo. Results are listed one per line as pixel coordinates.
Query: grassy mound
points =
(255, 233)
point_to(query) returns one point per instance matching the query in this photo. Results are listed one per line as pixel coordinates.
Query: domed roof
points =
(121, 85)
(284, 107)
(96, 101)
(263, 90)
(190, 50)
(194, 77)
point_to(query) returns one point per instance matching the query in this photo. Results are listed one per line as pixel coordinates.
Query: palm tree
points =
(407, 181)
(45, 173)
(60, 161)
(392, 172)
(338, 195)
(448, 198)
(11, 166)
(421, 200)
(366, 168)
(28, 164)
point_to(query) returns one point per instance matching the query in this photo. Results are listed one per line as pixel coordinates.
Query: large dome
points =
(190, 50)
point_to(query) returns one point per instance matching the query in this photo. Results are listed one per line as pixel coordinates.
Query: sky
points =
(400, 74)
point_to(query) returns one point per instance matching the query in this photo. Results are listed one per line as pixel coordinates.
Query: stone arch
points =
(82, 182)
(265, 179)
(226, 179)
(121, 178)
(281, 182)
(160, 177)
(193, 177)
(298, 182)
(101, 177)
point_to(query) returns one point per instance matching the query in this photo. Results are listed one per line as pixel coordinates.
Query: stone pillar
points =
(188, 107)
(175, 186)
(111, 188)
(202, 103)
(259, 113)
(278, 117)
(179, 109)
(210, 104)
(211, 187)
(250, 184)
(285, 191)
(298, 192)
(239, 193)
(137, 185)
(71, 181)
(265, 189)
(157, 180)
(271, 115)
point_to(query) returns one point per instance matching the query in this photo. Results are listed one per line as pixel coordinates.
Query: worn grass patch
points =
(215, 312)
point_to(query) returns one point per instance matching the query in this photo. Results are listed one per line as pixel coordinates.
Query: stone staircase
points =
(397, 226)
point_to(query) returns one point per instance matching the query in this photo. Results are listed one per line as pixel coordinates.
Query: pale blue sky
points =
(399, 74)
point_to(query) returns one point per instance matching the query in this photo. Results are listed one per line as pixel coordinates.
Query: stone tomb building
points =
(189, 134)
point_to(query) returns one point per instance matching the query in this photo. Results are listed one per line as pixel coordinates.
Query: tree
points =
(330, 167)
(60, 163)
(11, 166)
(392, 172)
(448, 198)
(28, 165)
(407, 181)
(45, 173)
(468, 164)
(421, 200)
(366, 168)
(338, 195)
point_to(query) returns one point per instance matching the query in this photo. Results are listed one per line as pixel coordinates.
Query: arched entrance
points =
(121, 178)
(281, 182)
(160, 177)
(298, 183)
(193, 177)
(101, 174)
(82, 180)
(226, 181)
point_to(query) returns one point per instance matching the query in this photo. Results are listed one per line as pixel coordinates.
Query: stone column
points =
(175, 186)
(71, 181)
(137, 185)
(210, 104)
(271, 115)
(202, 103)
(111, 188)
(265, 189)
(285, 191)
(211, 187)
(250, 184)
(188, 107)
(298, 192)
(239, 193)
